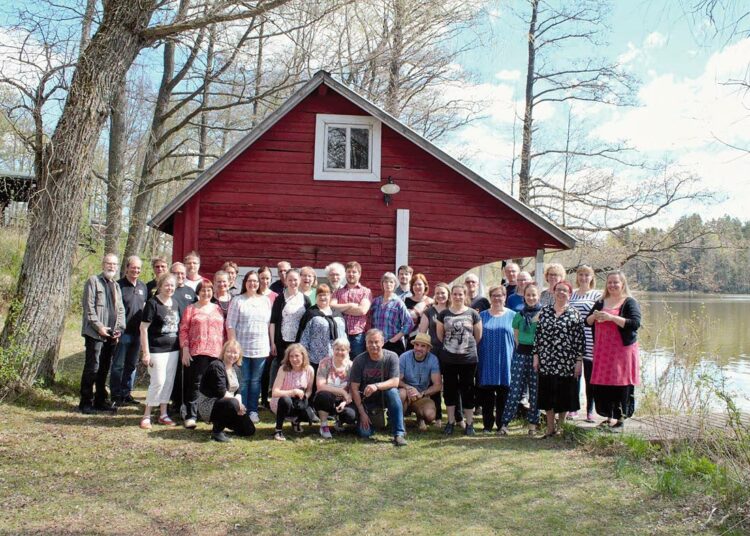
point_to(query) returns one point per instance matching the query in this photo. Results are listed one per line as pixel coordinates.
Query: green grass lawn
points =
(66, 473)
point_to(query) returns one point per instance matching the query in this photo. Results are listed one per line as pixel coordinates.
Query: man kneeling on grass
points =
(419, 379)
(374, 384)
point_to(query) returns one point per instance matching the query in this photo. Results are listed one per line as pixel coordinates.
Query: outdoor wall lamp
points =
(389, 189)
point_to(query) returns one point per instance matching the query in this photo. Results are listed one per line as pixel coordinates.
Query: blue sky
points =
(682, 106)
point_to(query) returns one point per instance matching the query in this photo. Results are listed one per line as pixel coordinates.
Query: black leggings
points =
(225, 414)
(588, 367)
(193, 375)
(326, 401)
(492, 397)
(614, 401)
(296, 408)
(459, 379)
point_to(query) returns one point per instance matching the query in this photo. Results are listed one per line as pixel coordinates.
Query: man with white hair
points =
(335, 272)
(103, 323)
(477, 302)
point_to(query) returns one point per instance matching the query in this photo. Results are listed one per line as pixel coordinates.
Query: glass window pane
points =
(360, 148)
(336, 151)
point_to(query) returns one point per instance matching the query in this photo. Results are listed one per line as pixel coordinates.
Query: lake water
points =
(711, 330)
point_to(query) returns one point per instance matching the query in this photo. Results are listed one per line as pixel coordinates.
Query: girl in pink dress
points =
(615, 320)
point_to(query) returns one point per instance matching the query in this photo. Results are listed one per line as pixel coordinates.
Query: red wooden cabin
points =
(305, 186)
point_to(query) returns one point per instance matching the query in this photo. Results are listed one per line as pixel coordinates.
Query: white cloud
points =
(654, 40)
(630, 55)
(687, 113)
(725, 171)
(506, 74)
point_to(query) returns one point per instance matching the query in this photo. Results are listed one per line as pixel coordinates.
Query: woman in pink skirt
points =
(615, 320)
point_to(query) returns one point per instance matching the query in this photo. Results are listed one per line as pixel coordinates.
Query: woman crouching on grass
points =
(292, 389)
(219, 401)
(333, 396)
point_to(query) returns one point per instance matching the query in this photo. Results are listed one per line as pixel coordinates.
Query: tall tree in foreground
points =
(64, 164)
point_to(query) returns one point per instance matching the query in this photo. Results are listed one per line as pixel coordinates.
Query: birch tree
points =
(63, 162)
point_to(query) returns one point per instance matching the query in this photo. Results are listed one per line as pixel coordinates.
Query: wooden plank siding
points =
(265, 206)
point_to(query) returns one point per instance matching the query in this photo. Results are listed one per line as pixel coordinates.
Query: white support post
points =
(539, 274)
(402, 238)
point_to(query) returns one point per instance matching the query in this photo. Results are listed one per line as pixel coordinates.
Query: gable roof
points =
(322, 77)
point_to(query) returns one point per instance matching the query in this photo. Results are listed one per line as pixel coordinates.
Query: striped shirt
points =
(390, 317)
(583, 302)
(355, 324)
(249, 318)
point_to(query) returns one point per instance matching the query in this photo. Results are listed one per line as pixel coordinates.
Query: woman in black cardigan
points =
(219, 400)
(615, 320)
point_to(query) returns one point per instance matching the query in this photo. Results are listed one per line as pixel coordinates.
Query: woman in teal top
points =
(522, 373)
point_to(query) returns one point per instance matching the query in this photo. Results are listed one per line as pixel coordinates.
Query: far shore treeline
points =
(691, 255)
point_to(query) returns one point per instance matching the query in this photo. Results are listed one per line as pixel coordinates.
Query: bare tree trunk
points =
(42, 294)
(88, 19)
(203, 133)
(115, 173)
(566, 168)
(524, 175)
(258, 79)
(396, 51)
(144, 193)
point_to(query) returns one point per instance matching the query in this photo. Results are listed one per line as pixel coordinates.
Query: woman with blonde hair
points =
(333, 397)
(583, 298)
(160, 348)
(292, 390)
(308, 282)
(553, 274)
(219, 399)
(615, 320)
(459, 328)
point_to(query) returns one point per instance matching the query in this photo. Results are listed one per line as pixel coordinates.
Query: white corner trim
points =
(324, 120)
(539, 273)
(402, 238)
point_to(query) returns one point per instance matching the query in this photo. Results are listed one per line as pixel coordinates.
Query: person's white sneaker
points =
(190, 424)
(325, 432)
(254, 417)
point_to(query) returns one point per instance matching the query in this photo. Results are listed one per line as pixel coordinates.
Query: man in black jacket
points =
(134, 295)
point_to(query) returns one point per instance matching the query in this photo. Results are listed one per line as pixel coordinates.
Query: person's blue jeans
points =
(357, 344)
(395, 414)
(252, 372)
(122, 373)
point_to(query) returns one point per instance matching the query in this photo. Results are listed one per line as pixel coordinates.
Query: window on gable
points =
(347, 148)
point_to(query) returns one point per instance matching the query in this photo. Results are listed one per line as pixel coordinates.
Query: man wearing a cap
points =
(419, 379)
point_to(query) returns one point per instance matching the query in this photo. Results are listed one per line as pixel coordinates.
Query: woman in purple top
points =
(390, 315)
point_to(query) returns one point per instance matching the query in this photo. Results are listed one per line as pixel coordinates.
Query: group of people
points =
(334, 355)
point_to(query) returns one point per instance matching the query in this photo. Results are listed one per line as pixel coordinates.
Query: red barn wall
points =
(265, 207)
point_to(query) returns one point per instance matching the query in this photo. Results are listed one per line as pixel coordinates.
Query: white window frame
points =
(322, 122)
